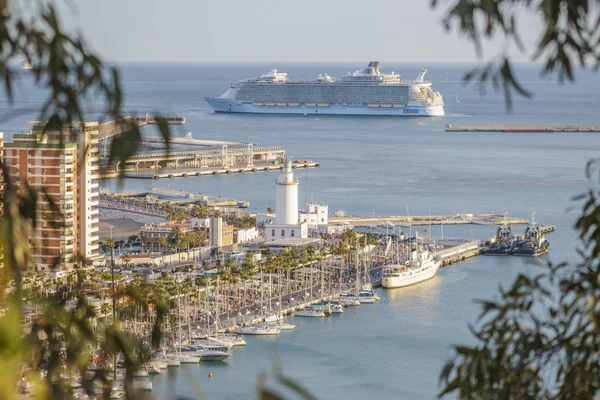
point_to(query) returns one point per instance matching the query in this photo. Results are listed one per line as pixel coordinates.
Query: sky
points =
(283, 30)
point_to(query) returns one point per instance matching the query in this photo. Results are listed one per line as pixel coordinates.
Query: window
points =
(273, 232)
(282, 232)
(293, 232)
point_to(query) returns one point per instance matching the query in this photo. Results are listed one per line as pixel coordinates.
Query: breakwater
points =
(522, 128)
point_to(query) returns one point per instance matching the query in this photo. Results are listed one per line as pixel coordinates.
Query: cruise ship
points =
(364, 92)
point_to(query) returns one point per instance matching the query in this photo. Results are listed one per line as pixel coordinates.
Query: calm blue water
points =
(396, 348)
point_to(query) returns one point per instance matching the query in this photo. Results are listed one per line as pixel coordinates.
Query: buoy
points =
(294, 340)
(209, 375)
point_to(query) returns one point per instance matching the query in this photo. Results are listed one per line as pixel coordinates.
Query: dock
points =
(111, 129)
(127, 200)
(402, 220)
(522, 128)
(204, 171)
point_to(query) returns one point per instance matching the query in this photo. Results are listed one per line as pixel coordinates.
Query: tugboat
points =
(504, 243)
(534, 243)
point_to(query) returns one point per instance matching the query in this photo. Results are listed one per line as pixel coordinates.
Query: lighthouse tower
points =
(286, 207)
(286, 196)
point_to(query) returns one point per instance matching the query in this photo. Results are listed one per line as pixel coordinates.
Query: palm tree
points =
(105, 309)
(163, 242)
(200, 211)
(125, 259)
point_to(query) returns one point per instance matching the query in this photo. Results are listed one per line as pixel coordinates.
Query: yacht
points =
(287, 327)
(337, 309)
(261, 329)
(420, 266)
(349, 300)
(309, 312)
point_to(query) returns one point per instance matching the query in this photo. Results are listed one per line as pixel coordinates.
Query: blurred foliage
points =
(570, 36)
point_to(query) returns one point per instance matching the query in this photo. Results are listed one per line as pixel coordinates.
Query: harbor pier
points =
(522, 128)
(404, 221)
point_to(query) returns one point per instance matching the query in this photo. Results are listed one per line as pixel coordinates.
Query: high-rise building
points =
(64, 164)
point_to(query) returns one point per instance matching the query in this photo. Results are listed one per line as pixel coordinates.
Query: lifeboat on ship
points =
(269, 104)
(258, 103)
(322, 104)
(310, 104)
(386, 105)
(373, 105)
(293, 104)
(282, 104)
(398, 105)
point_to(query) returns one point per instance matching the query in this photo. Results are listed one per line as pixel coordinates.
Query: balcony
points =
(93, 239)
(93, 221)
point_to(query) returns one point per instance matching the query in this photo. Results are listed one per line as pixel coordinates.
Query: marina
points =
(522, 128)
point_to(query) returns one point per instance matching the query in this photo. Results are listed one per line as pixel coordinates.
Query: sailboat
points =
(310, 311)
(263, 329)
(457, 100)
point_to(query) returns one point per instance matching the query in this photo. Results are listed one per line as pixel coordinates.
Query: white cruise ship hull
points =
(406, 279)
(225, 105)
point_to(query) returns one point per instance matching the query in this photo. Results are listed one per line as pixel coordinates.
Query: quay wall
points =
(522, 128)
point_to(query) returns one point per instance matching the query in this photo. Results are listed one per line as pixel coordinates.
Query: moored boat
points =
(420, 266)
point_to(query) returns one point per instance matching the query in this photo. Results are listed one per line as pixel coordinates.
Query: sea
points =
(382, 166)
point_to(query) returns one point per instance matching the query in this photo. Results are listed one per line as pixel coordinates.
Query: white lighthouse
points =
(286, 196)
(286, 207)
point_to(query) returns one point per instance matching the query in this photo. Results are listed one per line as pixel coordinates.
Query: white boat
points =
(287, 327)
(367, 91)
(257, 330)
(227, 339)
(420, 266)
(206, 344)
(273, 318)
(309, 312)
(208, 355)
(349, 301)
(173, 362)
(337, 309)
(189, 359)
(26, 65)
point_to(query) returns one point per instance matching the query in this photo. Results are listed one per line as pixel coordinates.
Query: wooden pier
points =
(522, 128)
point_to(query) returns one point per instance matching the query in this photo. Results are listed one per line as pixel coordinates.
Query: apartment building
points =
(64, 163)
